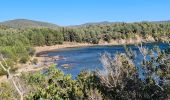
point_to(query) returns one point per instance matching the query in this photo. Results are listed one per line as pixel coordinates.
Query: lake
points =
(88, 58)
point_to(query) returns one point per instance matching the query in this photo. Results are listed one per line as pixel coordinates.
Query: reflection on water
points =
(88, 58)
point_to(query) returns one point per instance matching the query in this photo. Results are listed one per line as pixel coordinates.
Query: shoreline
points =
(44, 49)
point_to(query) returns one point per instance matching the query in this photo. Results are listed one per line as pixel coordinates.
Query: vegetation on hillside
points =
(25, 23)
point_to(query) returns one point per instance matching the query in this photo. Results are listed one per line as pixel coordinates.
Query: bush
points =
(7, 92)
(31, 51)
(107, 38)
(24, 59)
(2, 72)
(95, 41)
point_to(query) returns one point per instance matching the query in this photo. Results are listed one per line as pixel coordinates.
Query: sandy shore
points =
(60, 46)
(101, 43)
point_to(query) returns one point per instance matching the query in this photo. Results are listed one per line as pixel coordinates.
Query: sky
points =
(75, 12)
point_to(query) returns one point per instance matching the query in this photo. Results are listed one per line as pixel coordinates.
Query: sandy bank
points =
(101, 43)
(61, 46)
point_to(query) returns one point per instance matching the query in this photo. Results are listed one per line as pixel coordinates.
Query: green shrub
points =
(7, 92)
(24, 59)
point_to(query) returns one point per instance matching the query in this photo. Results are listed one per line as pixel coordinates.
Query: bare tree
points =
(143, 51)
(115, 70)
(7, 68)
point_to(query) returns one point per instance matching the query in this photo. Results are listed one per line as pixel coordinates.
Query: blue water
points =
(88, 58)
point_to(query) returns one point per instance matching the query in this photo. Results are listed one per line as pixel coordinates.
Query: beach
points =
(137, 40)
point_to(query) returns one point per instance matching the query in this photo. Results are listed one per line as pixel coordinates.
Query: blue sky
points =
(74, 12)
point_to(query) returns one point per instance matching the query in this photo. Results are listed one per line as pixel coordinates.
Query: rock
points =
(66, 66)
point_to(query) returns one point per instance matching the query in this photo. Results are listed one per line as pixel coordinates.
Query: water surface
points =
(88, 58)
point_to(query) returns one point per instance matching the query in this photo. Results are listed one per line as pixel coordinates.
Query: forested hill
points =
(167, 21)
(111, 23)
(98, 23)
(25, 23)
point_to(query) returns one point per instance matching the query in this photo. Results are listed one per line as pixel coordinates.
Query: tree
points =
(107, 38)
(37, 39)
(58, 38)
(49, 38)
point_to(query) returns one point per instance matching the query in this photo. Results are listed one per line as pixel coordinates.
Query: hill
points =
(166, 21)
(98, 23)
(108, 23)
(25, 23)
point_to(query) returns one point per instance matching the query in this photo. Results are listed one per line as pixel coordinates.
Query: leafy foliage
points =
(55, 85)
(7, 92)
(119, 80)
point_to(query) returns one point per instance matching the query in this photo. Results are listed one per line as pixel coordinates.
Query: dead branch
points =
(7, 68)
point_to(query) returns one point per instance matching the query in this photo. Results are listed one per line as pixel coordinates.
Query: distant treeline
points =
(89, 33)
